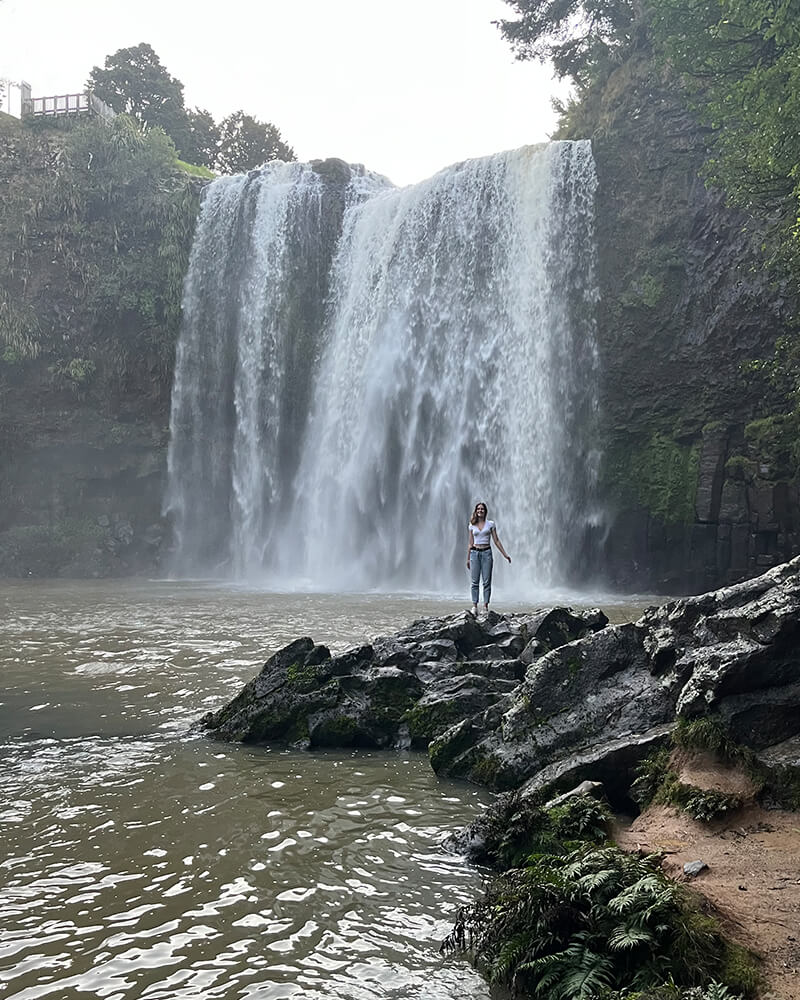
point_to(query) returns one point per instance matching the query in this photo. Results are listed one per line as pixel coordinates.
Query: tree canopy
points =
(134, 82)
(577, 36)
(738, 62)
(245, 143)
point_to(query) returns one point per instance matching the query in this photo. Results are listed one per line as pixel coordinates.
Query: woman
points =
(482, 532)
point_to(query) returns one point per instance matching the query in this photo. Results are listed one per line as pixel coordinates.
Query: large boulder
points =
(400, 690)
(593, 708)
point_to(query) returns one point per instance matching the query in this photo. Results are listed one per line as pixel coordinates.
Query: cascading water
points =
(359, 364)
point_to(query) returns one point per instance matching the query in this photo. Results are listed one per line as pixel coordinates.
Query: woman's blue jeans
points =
(480, 568)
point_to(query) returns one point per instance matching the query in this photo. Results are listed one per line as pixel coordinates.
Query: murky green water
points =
(138, 859)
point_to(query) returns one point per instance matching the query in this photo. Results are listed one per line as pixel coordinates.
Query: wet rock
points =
(591, 709)
(400, 690)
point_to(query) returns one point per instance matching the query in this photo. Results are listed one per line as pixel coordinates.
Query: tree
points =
(579, 37)
(245, 143)
(135, 83)
(203, 139)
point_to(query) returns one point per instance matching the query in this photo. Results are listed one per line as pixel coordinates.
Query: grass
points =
(195, 171)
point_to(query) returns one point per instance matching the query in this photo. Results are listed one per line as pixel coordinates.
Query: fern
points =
(586, 924)
(629, 936)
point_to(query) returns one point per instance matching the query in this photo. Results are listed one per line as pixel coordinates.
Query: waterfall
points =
(359, 364)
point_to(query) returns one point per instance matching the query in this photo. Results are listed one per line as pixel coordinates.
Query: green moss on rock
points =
(659, 474)
(776, 441)
(426, 722)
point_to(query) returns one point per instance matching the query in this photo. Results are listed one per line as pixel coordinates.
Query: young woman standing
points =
(482, 532)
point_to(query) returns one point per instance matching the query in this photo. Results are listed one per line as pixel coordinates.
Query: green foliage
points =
(665, 474)
(709, 732)
(582, 38)
(134, 82)
(671, 991)
(516, 828)
(651, 774)
(20, 333)
(704, 804)
(740, 467)
(110, 226)
(245, 143)
(202, 142)
(426, 722)
(77, 374)
(776, 441)
(740, 60)
(302, 676)
(590, 922)
(740, 971)
(581, 817)
(194, 171)
(646, 290)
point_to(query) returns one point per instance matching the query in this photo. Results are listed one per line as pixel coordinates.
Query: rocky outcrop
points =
(546, 700)
(593, 708)
(400, 690)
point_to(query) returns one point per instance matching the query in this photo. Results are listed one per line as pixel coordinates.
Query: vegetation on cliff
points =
(96, 224)
(133, 81)
(95, 230)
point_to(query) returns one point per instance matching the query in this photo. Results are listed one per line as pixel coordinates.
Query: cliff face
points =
(697, 483)
(95, 230)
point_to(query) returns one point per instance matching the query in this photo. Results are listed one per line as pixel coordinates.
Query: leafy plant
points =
(651, 774)
(671, 991)
(593, 921)
(581, 817)
(705, 804)
(708, 732)
(516, 828)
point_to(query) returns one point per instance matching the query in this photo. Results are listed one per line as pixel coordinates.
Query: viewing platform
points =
(20, 102)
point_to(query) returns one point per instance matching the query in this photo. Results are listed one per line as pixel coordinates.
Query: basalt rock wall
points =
(698, 483)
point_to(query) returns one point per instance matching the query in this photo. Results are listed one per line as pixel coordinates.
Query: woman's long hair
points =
(474, 519)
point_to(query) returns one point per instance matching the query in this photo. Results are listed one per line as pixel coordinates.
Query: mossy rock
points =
(659, 475)
(336, 730)
(427, 722)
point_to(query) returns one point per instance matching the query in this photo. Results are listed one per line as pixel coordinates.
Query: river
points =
(139, 859)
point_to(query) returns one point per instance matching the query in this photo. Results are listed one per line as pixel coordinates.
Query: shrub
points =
(587, 923)
(516, 829)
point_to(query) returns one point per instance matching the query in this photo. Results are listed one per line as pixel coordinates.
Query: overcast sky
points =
(405, 87)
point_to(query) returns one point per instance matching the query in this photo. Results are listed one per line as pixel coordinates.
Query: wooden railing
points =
(69, 104)
(64, 104)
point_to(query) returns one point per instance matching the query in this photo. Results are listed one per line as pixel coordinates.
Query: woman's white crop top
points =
(481, 536)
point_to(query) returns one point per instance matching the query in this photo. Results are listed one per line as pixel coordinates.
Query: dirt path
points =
(752, 880)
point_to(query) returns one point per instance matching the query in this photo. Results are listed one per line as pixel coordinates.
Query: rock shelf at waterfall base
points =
(542, 701)
(694, 707)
